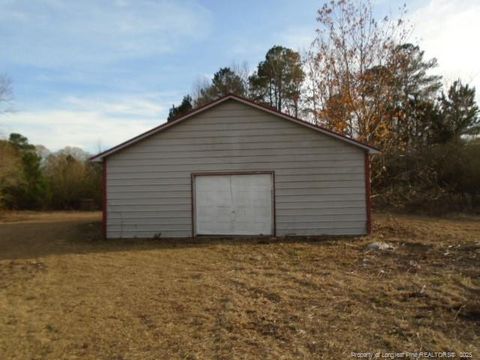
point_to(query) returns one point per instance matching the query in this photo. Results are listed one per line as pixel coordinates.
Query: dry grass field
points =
(67, 294)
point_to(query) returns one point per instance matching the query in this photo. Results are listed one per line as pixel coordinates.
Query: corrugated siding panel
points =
(320, 184)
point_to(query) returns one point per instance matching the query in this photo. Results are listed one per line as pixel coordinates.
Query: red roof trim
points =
(243, 100)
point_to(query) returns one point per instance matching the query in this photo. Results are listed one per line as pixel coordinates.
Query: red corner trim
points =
(368, 192)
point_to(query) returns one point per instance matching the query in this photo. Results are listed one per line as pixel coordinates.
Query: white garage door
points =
(234, 204)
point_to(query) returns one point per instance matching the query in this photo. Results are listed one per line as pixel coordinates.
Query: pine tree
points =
(278, 80)
(459, 114)
(185, 106)
(225, 81)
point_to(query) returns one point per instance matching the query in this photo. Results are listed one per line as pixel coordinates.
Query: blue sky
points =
(94, 73)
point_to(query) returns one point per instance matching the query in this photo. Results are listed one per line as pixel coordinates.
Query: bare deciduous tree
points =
(348, 87)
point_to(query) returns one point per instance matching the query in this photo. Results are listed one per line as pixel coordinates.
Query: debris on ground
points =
(378, 245)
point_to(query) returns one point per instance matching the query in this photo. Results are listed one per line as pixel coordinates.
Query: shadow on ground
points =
(26, 240)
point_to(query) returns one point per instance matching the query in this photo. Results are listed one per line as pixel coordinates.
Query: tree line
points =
(361, 77)
(31, 177)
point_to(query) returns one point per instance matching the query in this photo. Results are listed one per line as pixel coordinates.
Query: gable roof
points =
(155, 130)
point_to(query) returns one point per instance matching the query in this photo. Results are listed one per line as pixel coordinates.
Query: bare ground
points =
(66, 294)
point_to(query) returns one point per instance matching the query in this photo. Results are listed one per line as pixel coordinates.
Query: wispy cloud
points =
(298, 38)
(143, 105)
(93, 72)
(89, 130)
(448, 30)
(91, 123)
(62, 33)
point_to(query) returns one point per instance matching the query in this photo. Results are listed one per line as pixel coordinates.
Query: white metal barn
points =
(234, 167)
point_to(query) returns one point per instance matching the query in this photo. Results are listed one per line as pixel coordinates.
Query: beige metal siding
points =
(319, 181)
